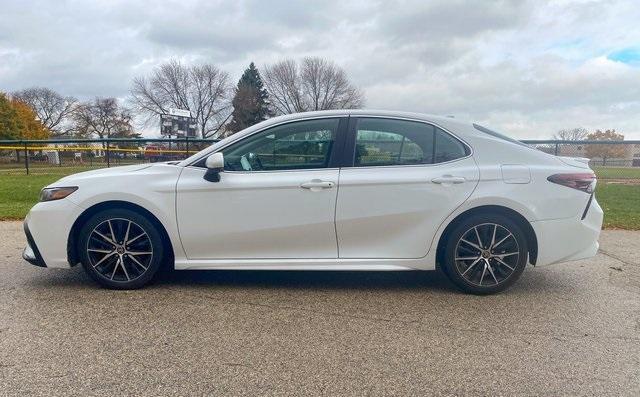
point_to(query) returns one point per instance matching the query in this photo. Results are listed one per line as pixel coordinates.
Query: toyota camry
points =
(333, 190)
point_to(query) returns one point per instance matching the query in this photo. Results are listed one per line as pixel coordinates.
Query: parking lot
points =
(566, 329)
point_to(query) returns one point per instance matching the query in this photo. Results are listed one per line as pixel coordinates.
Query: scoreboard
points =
(179, 123)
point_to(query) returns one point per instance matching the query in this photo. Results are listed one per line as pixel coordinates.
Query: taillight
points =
(585, 182)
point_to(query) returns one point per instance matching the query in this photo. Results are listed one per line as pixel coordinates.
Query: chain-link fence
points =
(68, 156)
(612, 160)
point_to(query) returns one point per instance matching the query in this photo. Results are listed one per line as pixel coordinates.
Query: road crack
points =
(610, 255)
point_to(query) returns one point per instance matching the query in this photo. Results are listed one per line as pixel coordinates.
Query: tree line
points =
(219, 108)
(602, 151)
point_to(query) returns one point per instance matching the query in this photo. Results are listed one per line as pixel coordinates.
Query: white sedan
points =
(333, 190)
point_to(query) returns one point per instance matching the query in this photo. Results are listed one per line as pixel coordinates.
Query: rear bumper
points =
(570, 239)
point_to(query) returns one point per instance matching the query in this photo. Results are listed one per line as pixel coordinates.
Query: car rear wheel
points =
(120, 249)
(485, 254)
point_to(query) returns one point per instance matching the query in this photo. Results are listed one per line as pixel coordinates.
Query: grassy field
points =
(618, 172)
(19, 192)
(621, 205)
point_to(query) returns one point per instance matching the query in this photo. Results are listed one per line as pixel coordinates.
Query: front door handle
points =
(317, 184)
(449, 180)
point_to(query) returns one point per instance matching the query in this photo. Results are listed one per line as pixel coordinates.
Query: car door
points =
(275, 199)
(406, 177)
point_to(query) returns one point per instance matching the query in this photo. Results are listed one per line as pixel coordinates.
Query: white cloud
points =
(526, 67)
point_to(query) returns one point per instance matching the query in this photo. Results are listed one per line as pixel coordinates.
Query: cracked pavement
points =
(565, 329)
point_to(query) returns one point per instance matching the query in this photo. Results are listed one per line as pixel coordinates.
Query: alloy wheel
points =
(119, 250)
(487, 254)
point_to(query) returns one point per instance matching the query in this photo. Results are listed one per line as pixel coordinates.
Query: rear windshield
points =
(498, 135)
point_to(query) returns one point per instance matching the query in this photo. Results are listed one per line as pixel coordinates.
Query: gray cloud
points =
(526, 67)
(433, 21)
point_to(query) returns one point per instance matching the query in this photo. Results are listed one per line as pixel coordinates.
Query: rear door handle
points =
(317, 184)
(449, 180)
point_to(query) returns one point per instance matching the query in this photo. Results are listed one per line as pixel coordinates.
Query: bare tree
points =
(327, 86)
(104, 118)
(283, 84)
(202, 89)
(53, 109)
(315, 84)
(573, 134)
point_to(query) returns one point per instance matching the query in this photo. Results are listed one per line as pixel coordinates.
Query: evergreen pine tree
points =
(250, 102)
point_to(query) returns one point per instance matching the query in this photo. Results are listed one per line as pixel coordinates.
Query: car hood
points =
(113, 171)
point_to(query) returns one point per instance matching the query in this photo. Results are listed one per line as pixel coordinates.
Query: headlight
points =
(56, 193)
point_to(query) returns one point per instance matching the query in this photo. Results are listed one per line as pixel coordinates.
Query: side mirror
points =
(215, 165)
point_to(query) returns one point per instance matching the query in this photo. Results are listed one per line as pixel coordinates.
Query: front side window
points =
(297, 145)
(399, 142)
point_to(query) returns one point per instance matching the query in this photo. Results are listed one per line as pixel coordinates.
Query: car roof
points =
(364, 112)
(445, 121)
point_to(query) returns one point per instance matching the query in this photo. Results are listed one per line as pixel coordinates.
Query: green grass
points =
(617, 172)
(19, 192)
(621, 205)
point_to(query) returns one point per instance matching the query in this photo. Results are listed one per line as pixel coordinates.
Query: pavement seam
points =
(610, 255)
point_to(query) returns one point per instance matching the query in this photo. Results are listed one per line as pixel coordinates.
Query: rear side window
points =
(381, 142)
(448, 148)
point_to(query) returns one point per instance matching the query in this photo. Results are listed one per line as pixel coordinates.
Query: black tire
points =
(126, 266)
(494, 263)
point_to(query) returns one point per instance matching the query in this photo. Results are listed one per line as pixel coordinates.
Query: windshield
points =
(237, 136)
(199, 154)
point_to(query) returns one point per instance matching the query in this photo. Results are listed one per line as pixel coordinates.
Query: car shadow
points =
(329, 280)
(532, 282)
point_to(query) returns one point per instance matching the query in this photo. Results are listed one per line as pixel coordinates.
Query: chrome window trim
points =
(269, 171)
(404, 165)
(359, 115)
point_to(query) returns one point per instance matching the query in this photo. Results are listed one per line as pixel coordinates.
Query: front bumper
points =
(570, 239)
(47, 227)
(31, 253)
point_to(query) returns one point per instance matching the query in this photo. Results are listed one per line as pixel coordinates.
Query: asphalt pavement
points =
(568, 329)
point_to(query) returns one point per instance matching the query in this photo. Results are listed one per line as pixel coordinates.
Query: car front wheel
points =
(485, 254)
(120, 249)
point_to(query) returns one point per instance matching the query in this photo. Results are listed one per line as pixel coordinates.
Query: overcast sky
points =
(527, 68)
